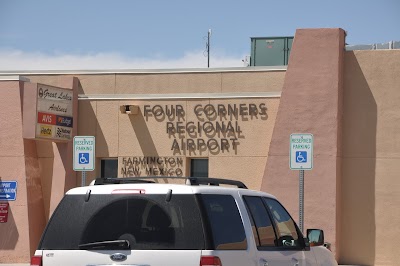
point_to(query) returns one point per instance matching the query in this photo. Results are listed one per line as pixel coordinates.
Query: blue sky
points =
(99, 34)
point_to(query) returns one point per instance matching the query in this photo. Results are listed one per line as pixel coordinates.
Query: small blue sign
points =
(64, 121)
(8, 190)
(301, 156)
(84, 158)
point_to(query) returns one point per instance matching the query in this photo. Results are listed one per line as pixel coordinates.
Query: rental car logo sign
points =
(54, 113)
(301, 151)
(84, 153)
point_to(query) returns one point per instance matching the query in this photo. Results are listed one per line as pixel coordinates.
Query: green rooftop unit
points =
(270, 51)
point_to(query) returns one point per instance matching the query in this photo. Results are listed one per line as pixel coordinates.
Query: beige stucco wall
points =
(120, 135)
(371, 158)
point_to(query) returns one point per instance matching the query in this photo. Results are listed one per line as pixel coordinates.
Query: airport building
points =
(231, 123)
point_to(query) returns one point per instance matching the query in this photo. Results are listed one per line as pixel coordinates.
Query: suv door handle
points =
(296, 261)
(264, 262)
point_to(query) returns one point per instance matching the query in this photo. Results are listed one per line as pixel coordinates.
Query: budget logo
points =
(64, 121)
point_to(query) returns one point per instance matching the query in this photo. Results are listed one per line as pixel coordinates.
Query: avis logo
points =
(46, 119)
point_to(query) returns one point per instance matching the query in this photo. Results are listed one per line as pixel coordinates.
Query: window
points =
(263, 229)
(109, 167)
(199, 167)
(225, 222)
(285, 226)
(148, 222)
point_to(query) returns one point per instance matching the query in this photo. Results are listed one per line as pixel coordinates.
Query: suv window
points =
(263, 229)
(285, 226)
(225, 222)
(146, 221)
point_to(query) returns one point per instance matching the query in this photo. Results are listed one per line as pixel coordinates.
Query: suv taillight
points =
(210, 261)
(36, 261)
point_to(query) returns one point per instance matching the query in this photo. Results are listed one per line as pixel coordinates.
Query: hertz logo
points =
(46, 131)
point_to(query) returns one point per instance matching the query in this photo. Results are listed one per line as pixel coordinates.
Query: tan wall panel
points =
(107, 129)
(52, 80)
(87, 118)
(253, 82)
(97, 84)
(141, 136)
(371, 139)
(371, 103)
(131, 166)
(387, 211)
(255, 131)
(249, 170)
(129, 126)
(192, 117)
(358, 212)
(168, 83)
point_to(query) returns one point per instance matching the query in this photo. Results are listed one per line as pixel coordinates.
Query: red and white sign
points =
(4, 212)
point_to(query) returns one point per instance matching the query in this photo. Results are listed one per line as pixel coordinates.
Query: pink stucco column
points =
(311, 102)
(29, 162)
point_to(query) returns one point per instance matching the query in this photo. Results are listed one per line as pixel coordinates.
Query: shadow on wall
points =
(143, 135)
(88, 125)
(144, 138)
(358, 232)
(8, 231)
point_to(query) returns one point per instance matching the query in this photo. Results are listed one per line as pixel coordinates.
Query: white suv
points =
(139, 222)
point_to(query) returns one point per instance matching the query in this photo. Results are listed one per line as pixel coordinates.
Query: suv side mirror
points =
(316, 237)
(306, 244)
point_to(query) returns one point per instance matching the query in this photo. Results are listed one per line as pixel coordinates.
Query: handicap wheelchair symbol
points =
(84, 158)
(301, 156)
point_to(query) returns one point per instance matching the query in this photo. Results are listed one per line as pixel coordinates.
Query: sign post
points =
(301, 158)
(84, 155)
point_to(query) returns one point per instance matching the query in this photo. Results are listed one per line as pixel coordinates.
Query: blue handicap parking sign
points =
(84, 158)
(301, 156)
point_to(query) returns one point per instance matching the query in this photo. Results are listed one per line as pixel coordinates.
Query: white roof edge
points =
(13, 78)
(210, 95)
(144, 71)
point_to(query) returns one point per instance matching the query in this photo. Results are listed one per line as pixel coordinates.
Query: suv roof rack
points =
(193, 181)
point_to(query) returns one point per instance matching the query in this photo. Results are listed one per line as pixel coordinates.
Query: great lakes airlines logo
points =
(54, 94)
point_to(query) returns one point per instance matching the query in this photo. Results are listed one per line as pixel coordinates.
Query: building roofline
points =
(12, 78)
(144, 71)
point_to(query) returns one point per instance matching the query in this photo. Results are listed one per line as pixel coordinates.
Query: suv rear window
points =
(146, 221)
(225, 222)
